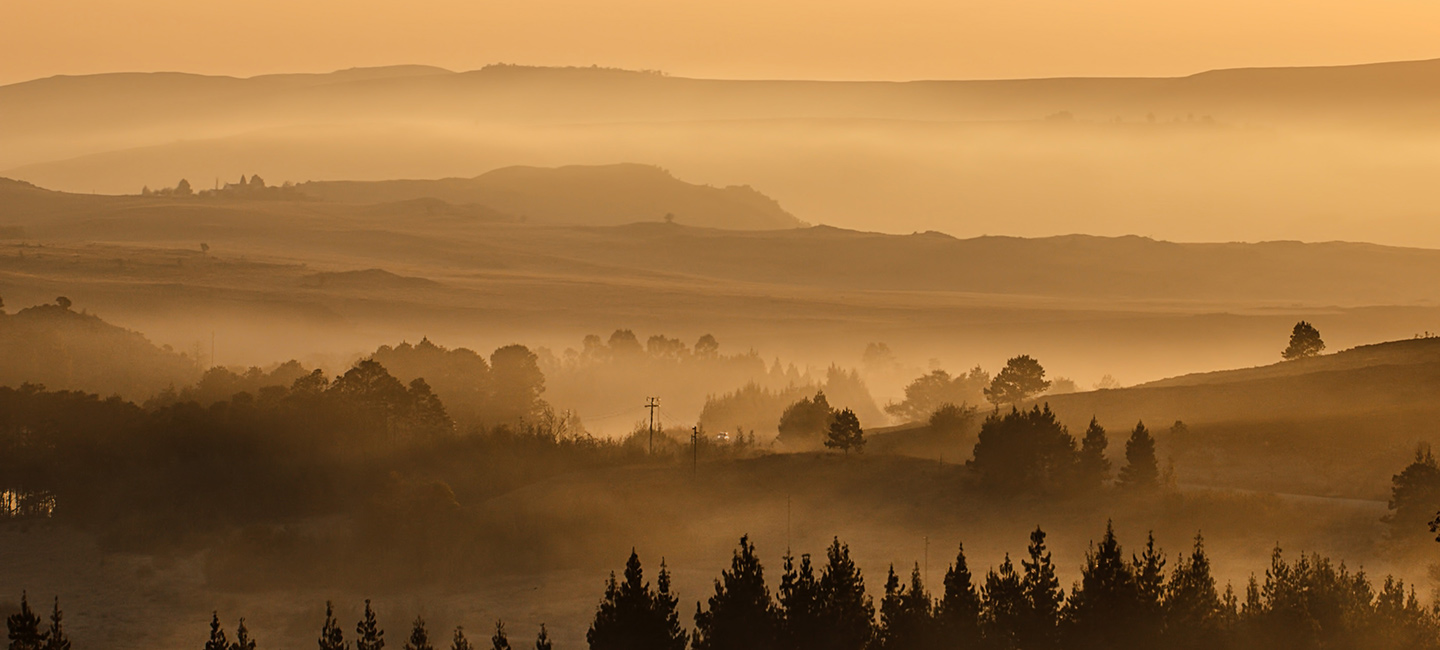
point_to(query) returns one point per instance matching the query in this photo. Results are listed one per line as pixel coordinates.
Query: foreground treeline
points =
(1122, 601)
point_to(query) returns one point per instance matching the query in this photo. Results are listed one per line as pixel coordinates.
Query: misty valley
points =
(412, 358)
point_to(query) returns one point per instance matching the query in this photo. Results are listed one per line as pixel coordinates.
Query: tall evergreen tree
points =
(906, 614)
(24, 627)
(55, 638)
(458, 641)
(1142, 469)
(958, 613)
(331, 636)
(1004, 610)
(499, 640)
(632, 616)
(1094, 467)
(1103, 608)
(419, 636)
(242, 638)
(1150, 584)
(217, 639)
(800, 606)
(542, 640)
(847, 612)
(368, 635)
(1043, 596)
(740, 614)
(1193, 609)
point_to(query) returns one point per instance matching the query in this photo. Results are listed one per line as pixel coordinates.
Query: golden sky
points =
(829, 39)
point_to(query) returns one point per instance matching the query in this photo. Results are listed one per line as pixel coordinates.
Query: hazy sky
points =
(829, 39)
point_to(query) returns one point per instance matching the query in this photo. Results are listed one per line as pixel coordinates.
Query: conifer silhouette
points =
(458, 641)
(1094, 468)
(1004, 610)
(24, 627)
(368, 635)
(1043, 596)
(55, 638)
(331, 636)
(542, 640)
(958, 613)
(740, 615)
(217, 639)
(499, 640)
(846, 612)
(419, 636)
(1103, 608)
(799, 605)
(1194, 612)
(1142, 469)
(242, 638)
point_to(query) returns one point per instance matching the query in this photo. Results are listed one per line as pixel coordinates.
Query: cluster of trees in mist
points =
(251, 188)
(1120, 601)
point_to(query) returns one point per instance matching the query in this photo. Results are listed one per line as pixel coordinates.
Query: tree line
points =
(1121, 601)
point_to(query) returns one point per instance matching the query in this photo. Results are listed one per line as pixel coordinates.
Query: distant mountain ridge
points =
(597, 195)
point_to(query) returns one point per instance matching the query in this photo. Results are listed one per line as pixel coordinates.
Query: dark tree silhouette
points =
(1150, 585)
(1004, 610)
(707, 347)
(846, 612)
(518, 384)
(1193, 609)
(952, 419)
(183, 188)
(331, 636)
(63, 302)
(1304, 342)
(458, 640)
(928, 393)
(242, 638)
(1043, 596)
(957, 615)
(624, 343)
(632, 616)
(806, 421)
(542, 640)
(1022, 378)
(1104, 608)
(368, 635)
(419, 636)
(55, 638)
(1142, 469)
(499, 640)
(740, 615)
(24, 627)
(217, 639)
(1414, 492)
(906, 614)
(845, 433)
(1024, 451)
(1094, 467)
(800, 605)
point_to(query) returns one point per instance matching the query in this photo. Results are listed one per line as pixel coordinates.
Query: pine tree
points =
(542, 640)
(1304, 342)
(799, 607)
(331, 636)
(55, 638)
(24, 627)
(499, 640)
(958, 613)
(217, 635)
(1193, 609)
(845, 433)
(906, 616)
(242, 638)
(459, 642)
(1003, 607)
(368, 635)
(1103, 608)
(1094, 468)
(632, 616)
(1043, 596)
(1142, 470)
(1150, 584)
(847, 613)
(740, 614)
(419, 636)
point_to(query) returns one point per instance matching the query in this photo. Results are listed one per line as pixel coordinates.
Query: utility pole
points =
(652, 403)
(695, 449)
